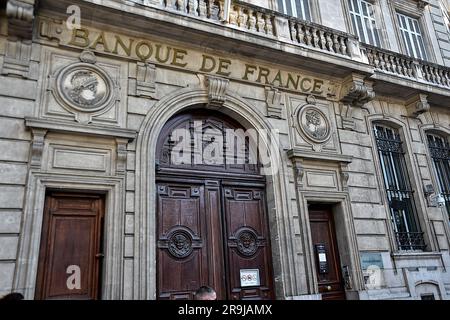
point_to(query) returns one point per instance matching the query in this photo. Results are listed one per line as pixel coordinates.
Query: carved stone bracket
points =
(20, 15)
(217, 90)
(345, 176)
(417, 105)
(37, 146)
(274, 103)
(50, 29)
(299, 172)
(355, 93)
(121, 155)
(421, 4)
(19, 60)
(142, 81)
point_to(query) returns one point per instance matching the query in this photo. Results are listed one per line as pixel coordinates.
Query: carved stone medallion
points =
(247, 243)
(314, 124)
(180, 244)
(84, 87)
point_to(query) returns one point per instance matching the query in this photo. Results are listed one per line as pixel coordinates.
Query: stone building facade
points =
(352, 97)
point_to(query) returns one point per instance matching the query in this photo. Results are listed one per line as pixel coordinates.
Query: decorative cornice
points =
(217, 90)
(20, 15)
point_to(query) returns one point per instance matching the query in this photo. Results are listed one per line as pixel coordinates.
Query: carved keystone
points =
(217, 90)
(273, 103)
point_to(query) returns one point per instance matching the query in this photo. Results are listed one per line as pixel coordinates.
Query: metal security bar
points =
(398, 189)
(440, 153)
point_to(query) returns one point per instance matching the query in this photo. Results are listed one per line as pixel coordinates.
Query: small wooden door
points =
(328, 267)
(71, 247)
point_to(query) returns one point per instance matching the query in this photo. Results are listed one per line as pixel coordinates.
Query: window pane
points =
(300, 10)
(295, 8)
(288, 7)
(307, 10)
(281, 7)
(412, 36)
(363, 20)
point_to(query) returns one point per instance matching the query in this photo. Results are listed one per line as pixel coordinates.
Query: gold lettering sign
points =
(153, 52)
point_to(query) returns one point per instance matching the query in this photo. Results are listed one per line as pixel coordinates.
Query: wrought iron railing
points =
(410, 240)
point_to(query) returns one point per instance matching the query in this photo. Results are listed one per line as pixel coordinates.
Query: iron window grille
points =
(399, 194)
(363, 20)
(440, 154)
(295, 8)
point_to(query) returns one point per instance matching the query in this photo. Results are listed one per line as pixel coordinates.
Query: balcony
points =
(392, 63)
(260, 33)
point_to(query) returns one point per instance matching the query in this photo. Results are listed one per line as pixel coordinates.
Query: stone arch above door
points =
(145, 221)
(207, 140)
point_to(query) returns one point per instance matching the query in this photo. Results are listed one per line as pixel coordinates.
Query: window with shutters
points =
(398, 189)
(440, 154)
(412, 36)
(362, 15)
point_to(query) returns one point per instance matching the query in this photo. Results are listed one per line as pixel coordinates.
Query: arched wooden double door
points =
(212, 223)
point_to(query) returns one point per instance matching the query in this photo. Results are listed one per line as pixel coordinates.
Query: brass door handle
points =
(329, 288)
(99, 255)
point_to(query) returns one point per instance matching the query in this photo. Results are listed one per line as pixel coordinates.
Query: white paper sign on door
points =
(250, 277)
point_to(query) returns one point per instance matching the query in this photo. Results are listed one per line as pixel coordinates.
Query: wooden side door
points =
(71, 247)
(189, 254)
(326, 253)
(248, 253)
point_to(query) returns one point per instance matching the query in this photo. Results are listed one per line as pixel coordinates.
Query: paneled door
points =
(328, 267)
(212, 225)
(71, 253)
(213, 233)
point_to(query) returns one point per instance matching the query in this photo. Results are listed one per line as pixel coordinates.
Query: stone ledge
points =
(321, 156)
(416, 255)
(65, 126)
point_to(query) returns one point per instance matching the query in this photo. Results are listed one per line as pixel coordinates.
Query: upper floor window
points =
(398, 189)
(440, 154)
(412, 36)
(295, 8)
(363, 21)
